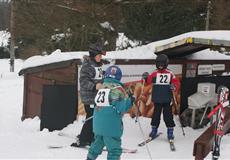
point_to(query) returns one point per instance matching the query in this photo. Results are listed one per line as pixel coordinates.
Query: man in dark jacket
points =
(91, 75)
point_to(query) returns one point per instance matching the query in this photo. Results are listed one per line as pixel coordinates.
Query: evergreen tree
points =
(163, 19)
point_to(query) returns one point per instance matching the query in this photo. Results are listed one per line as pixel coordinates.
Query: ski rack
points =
(210, 139)
(219, 112)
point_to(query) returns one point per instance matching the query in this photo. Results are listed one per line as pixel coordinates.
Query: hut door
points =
(58, 107)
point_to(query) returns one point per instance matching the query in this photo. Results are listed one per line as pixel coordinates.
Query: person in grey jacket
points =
(91, 75)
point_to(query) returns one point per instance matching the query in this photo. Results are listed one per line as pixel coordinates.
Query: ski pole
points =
(138, 106)
(83, 121)
(143, 136)
(139, 123)
(176, 105)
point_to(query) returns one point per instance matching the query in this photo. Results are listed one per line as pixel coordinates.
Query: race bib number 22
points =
(163, 78)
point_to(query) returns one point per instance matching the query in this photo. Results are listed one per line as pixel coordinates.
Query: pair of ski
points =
(171, 142)
(124, 150)
(58, 146)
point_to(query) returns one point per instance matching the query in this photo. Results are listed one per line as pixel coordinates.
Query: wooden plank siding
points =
(33, 87)
(60, 76)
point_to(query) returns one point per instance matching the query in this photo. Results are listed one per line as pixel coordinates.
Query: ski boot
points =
(170, 133)
(79, 143)
(153, 133)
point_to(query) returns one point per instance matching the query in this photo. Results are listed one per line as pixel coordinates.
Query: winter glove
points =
(173, 87)
(145, 76)
(132, 98)
(99, 86)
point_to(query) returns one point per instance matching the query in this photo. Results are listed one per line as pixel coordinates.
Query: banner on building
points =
(132, 78)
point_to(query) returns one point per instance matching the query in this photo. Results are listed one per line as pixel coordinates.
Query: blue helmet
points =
(113, 72)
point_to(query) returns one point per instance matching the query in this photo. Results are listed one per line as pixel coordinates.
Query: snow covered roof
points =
(208, 54)
(141, 53)
(192, 42)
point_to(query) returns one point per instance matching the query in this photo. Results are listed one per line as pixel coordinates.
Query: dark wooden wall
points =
(33, 87)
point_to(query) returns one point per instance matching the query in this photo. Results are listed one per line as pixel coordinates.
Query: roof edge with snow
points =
(181, 45)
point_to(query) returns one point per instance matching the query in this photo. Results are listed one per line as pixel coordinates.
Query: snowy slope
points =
(24, 140)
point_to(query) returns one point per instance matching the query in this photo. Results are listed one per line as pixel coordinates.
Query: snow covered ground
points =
(24, 140)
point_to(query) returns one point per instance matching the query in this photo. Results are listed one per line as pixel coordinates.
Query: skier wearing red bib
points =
(163, 83)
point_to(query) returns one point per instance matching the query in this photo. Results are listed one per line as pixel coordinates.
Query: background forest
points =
(71, 25)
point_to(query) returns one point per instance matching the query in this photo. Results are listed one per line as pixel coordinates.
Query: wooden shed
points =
(60, 73)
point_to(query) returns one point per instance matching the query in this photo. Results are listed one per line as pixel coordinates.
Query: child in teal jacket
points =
(111, 103)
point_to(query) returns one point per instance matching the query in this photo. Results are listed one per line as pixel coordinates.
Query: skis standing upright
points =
(223, 93)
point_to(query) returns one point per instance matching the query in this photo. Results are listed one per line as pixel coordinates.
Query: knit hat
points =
(95, 49)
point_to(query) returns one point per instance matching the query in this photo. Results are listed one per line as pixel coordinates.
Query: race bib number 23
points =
(102, 98)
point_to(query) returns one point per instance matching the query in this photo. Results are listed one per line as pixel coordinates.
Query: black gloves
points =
(132, 98)
(145, 76)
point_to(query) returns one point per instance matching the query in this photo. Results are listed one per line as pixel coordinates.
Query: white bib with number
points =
(163, 78)
(102, 98)
(99, 73)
